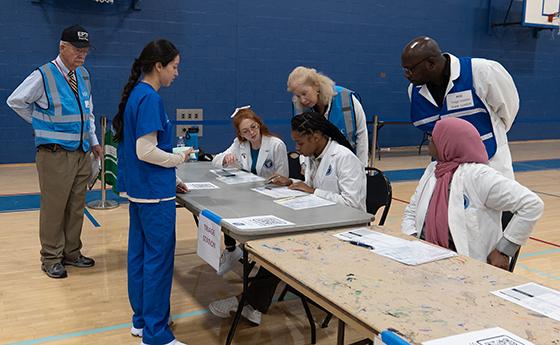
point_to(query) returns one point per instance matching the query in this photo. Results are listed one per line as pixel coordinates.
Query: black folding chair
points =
(379, 193)
(506, 218)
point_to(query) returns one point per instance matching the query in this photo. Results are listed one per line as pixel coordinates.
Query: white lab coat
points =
(273, 157)
(477, 197)
(340, 176)
(495, 87)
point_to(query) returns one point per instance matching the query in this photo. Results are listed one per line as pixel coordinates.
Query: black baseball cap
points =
(76, 35)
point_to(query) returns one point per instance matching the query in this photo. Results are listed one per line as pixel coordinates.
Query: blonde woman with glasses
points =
(314, 91)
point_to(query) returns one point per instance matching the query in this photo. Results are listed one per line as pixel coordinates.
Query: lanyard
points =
(64, 74)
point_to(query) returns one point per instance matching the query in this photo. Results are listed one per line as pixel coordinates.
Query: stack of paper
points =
(235, 176)
(405, 251)
(534, 297)
(201, 185)
(304, 202)
(278, 192)
(257, 222)
(490, 336)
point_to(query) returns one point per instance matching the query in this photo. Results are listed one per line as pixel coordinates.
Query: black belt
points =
(51, 147)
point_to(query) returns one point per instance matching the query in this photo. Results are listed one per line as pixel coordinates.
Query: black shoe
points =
(80, 261)
(55, 271)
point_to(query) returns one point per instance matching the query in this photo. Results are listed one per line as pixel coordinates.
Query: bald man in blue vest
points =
(56, 100)
(478, 90)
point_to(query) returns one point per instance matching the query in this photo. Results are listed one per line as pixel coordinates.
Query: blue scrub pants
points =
(151, 254)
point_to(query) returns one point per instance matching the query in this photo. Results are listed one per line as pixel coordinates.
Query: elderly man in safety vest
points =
(56, 99)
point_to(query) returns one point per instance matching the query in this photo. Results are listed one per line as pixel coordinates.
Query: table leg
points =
(243, 300)
(340, 334)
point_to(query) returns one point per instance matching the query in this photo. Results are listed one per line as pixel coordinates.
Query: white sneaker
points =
(222, 308)
(138, 332)
(252, 314)
(174, 342)
(227, 259)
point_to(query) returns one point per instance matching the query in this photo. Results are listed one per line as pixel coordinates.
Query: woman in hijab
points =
(459, 199)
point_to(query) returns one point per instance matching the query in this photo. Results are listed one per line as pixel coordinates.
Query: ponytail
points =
(310, 122)
(162, 51)
(118, 122)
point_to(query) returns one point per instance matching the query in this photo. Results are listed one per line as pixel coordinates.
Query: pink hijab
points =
(457, 141)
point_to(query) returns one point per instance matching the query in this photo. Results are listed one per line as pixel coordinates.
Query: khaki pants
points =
(63, 177)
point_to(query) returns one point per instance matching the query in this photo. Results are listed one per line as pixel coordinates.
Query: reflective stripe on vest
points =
(424, 114)
(66, 119)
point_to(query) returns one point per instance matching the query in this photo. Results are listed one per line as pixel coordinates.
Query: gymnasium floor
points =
(91, 306)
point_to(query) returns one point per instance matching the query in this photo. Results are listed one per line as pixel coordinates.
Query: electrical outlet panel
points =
(182, 129)
(189, 114)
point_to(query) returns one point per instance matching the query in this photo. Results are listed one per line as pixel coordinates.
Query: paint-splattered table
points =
(371, 293)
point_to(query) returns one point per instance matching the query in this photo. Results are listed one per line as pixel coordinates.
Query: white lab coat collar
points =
(326, 157)
(246, 159)
(455, 72)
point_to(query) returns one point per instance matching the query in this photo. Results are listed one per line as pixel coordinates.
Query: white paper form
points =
(235, 176)
(534, 297)
(278, 192)
(304, 202)
(404, 251)
(490, 336)
(201, 185)
(257, 222)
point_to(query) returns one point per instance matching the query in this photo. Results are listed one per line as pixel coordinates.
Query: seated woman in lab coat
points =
(332, 172)
(459, 199)
(256, 150)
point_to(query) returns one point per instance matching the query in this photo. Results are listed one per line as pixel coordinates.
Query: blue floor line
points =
(30, 202)
(98, 330)
(91, 218)
(538, 272)
(27, 202)
(543, 252)
(115, 327)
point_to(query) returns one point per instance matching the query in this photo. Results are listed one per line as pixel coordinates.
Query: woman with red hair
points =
(254, 149)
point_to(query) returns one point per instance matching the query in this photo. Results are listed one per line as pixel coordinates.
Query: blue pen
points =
(361, 244)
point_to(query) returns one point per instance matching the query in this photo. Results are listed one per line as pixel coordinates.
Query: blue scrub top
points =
(144, 113)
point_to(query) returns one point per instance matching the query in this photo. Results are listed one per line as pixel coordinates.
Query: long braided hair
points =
(162, 51)
(310, 122)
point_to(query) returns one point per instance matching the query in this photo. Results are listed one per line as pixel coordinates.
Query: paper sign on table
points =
(209, 238)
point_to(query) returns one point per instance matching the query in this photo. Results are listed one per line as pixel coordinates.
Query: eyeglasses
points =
(410, 70)
(253, 128)
(79, 51)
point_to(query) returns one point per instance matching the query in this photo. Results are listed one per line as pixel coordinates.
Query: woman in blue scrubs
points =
(147, 175)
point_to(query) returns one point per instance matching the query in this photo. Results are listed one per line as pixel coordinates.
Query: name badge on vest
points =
(87, 103)
(460, 100)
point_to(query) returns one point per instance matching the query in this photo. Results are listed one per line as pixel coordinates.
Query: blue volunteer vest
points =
(461, 101)
(341, 113)
(66, 119)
